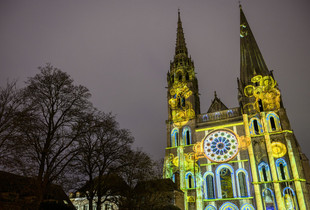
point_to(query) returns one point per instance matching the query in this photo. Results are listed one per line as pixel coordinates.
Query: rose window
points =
(220, 145)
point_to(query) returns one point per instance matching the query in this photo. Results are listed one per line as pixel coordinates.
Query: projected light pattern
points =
(182, 109)
(267, 96)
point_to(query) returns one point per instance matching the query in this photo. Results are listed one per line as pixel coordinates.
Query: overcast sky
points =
(121, 49)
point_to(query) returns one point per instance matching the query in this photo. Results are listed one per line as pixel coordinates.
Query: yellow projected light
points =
(278, 149)
(244, 142)
(182, 109)
(265, 92)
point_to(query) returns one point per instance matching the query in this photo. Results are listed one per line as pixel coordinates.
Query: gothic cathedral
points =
(245, 157)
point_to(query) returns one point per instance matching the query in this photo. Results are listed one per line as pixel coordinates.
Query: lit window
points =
(269, 199)
(225, 181)
(264, 172)
(256, 127)
(282, 169)
(290, 198)
(174, 137)
(260, 105)
(242, 178)
(210, 186)
(190, 182)
(273, 122)
(186, 134)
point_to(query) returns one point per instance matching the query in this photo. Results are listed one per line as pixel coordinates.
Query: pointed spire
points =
(251, 60)
(180, 48)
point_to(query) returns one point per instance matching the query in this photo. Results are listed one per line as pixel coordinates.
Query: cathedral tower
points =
(245, 157)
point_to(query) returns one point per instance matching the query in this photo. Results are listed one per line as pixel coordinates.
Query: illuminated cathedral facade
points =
(245, 157)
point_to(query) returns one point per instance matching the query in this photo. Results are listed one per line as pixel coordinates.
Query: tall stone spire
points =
(183, 94)
(181, 58)
(251, 60)
(180, 48)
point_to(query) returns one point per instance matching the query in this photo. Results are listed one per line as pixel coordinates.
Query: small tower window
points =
(272, 123)
(260, 105)
(180, 77)
(188, 142)
(172, 79)
(256, 129)
(190, 181)
(282, 171)
(264, 173)
(176, 135)
(187, 76)
(183, 102)
(186, 135)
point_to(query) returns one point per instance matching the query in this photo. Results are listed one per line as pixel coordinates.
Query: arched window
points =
(247, 206)
(190, 185)
(172, 79)
(210, 207)
(226, 185)
(243, 183)
(187, 139)
(190, 182)
(209, 190)
(174, 138)
(225, 181)
(264, 172)
(180, 77)
(187, 76)
(230, 113)
(210, 186)
(273, 122)
(282, 169)
(256, 127)
(269, 200)
(217, 115)
(290, 200)
(228, 206)
(183, 102)
(260, 105)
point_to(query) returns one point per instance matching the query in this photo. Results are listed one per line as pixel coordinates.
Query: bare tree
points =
(100, 154)
(10, 105)
(137, 167)
(50, 127)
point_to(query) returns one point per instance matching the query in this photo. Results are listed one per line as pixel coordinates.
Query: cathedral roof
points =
(216, 105)
(251, 60)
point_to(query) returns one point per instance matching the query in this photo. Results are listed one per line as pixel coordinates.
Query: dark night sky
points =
(121, 51)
